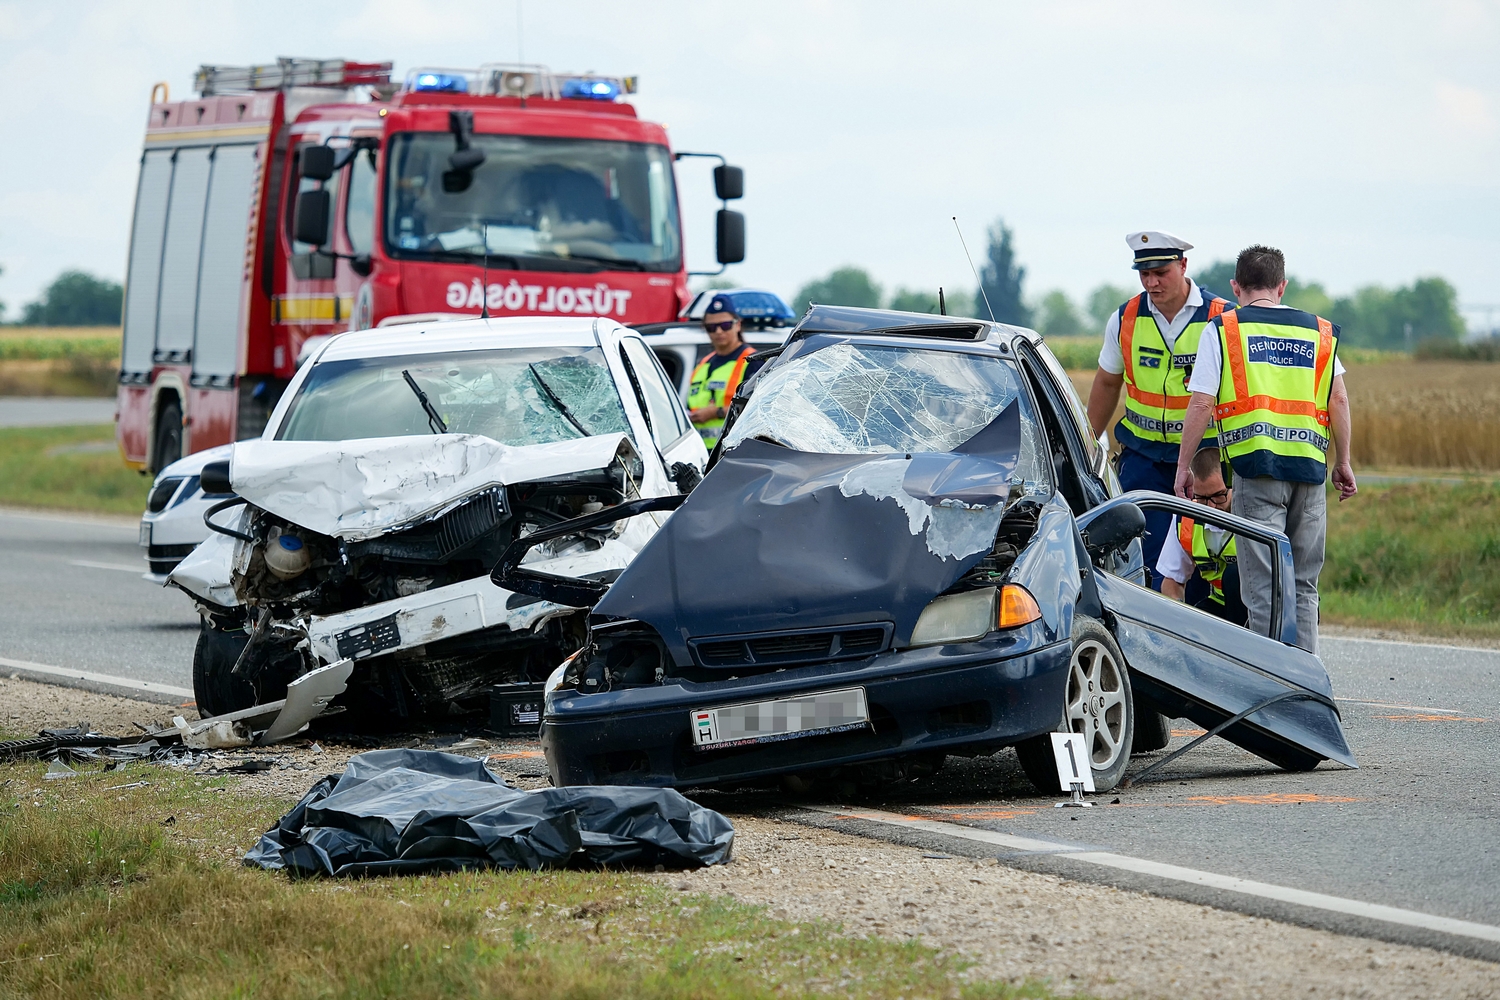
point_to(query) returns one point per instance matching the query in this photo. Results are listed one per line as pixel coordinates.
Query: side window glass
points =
(1075, 409)
(666, 416)
(359, 216)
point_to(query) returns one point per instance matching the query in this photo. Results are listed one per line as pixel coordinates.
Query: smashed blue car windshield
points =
(857, 399)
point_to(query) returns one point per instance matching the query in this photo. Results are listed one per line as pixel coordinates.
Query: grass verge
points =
(1417, 557)
(68, 468)
(128, 892)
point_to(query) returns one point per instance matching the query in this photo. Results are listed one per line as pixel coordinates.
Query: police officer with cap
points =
(720, 373)
(1150, 343)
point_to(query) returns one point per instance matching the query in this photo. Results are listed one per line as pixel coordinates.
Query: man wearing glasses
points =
(719, 374)
(1198, 562)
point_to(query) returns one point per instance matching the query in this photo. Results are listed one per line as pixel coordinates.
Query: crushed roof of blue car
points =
(908, 545)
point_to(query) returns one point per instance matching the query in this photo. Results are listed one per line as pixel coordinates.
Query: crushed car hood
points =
(774, 538)
(364, 488)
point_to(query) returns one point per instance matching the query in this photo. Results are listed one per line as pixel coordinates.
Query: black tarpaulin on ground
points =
(408, 811)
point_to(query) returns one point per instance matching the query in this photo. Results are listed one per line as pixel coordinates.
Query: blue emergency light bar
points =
(590, 88)
(523, 81)
(451, 83)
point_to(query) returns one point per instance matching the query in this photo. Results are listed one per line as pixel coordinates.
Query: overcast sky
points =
(1361, 138)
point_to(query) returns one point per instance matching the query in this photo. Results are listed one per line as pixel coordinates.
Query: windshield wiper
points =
(433, 420)
(561, 406)
(609, 263)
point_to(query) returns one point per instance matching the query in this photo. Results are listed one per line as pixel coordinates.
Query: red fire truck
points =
(308, 197)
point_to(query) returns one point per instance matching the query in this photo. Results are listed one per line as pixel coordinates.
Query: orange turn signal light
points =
(1017, 606)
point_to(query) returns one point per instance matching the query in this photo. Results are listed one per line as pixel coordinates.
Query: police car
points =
(765, 319)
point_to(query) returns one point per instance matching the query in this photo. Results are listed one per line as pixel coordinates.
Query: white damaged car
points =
(391, 477)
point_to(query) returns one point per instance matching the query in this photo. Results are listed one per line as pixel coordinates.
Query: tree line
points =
(1423, 314)
(75, 298)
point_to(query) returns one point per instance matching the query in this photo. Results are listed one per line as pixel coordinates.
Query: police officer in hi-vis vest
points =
(1198, 563)
(1149, 346)
(719, 374)
(1269, 375)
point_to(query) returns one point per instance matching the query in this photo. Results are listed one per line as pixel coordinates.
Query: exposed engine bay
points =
(410, 602)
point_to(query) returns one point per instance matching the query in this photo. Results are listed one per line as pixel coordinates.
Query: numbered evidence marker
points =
(1070, 753)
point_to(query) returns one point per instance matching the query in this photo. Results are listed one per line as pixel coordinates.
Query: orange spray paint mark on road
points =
(1270, 799)
(531, 754)
(1187, 732)
(1423, 717)
(961, 814)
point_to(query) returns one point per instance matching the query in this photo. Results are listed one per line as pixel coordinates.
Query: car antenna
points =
(484, 293)
(976, 272)
(942, 305)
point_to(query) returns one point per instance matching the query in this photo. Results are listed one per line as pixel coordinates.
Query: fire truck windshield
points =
(518, 397)
(538, 203)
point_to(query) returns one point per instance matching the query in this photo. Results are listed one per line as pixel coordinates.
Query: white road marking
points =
(1428, 645)
(89, 564)
(1122, 862)
(1410, 708)
(92, 520)
(124, 683)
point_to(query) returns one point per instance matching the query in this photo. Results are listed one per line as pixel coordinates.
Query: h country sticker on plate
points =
(782, 719)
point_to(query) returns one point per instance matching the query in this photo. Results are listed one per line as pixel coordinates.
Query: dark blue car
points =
(907, 546)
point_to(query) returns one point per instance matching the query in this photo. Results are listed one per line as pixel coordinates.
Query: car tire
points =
(1099, 704)
(1153, 731)
(168, 445)
(215, 687)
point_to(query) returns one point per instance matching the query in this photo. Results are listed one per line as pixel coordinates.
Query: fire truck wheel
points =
(215, 687)
(168, 437)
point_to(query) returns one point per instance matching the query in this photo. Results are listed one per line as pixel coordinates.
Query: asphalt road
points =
(54, 411)
(72, 597)
(1417, 826)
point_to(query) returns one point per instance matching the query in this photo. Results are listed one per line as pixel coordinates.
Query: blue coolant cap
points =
(290, 542)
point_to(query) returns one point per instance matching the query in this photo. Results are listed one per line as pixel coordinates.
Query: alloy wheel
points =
(1096, 702)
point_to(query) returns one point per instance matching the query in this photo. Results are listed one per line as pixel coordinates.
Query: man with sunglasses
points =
(719, 374)
(1198, 562)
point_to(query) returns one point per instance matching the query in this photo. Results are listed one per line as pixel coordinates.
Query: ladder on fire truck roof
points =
(285, 73)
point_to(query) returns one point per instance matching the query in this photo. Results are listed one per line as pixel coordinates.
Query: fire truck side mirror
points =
(731, 236)
(729, 182)
(311, 220)
(317, 162)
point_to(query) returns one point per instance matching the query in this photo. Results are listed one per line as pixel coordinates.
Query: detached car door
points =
(1196, 666)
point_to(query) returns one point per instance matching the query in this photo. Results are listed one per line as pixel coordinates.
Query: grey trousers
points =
(1300, 511)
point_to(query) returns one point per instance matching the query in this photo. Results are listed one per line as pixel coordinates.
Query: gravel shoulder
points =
(1014, 925)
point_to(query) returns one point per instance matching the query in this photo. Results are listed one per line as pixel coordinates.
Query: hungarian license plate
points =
(783, 719)
(146, 533)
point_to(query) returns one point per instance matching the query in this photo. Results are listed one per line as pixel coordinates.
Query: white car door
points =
(671, 429)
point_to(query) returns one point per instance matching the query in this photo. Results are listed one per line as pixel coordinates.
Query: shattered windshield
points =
(856, 399)
(517, 397)
(538, 201)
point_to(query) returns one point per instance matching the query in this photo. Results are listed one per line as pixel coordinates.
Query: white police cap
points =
(1154, 249)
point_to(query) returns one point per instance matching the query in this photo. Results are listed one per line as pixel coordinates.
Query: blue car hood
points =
(781, 539)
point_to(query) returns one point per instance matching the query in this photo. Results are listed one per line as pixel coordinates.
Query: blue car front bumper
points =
(979, 696)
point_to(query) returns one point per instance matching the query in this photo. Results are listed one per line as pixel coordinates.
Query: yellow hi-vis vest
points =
(713, 384)
(1274, 385)
(1156, 394)
(1211, 564)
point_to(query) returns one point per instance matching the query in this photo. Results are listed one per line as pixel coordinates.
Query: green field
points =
(138, 892)
(1417, 557)
(68, 468)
